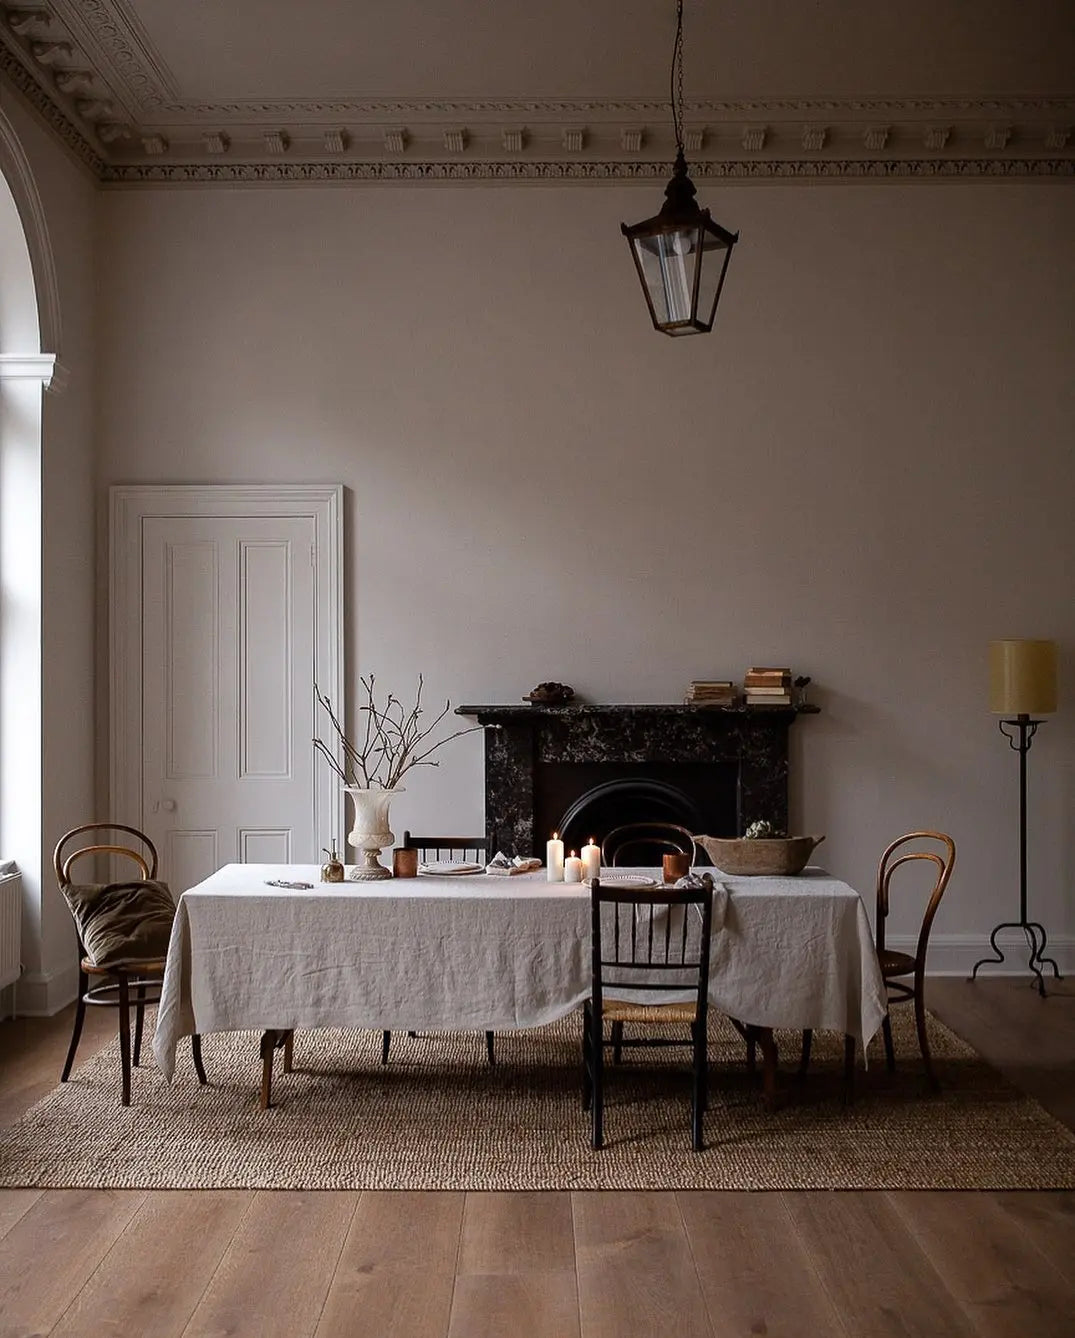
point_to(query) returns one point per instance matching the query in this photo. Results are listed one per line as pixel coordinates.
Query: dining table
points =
(488, 952)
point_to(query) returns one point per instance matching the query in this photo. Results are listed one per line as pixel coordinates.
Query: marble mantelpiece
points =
(522, 740)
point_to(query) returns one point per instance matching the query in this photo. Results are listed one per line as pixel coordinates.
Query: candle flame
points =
(556, 836)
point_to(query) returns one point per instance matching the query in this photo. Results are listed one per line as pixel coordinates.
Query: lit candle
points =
(591, 861)
(554, 859)
(572, 869)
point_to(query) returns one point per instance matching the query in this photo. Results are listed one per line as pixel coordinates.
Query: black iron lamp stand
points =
(1020, 733)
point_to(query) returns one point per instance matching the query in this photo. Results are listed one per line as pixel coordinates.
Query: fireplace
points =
(584, 769)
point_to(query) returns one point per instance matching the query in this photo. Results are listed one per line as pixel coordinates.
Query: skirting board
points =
(955, 954)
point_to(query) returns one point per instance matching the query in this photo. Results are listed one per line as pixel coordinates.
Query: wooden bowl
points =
(767, 855)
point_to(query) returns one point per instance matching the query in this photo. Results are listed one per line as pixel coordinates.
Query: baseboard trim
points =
(956, 954)
(43, 993)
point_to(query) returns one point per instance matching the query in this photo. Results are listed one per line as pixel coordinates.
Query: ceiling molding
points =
(846, 169)
(91, 71)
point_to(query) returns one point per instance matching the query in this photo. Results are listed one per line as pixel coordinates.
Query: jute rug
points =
(437, 1117)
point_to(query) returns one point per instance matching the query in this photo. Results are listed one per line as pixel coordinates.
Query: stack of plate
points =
(450, 868)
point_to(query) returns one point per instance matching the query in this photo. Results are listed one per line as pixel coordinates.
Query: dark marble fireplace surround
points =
(583, 769)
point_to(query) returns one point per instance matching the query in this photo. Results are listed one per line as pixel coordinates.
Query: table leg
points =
(289, 1051)
(272, 1040)
(769, 1059)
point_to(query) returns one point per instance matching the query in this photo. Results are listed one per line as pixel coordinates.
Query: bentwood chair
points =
(123, 931)
(645, 842)
(431, 849)
(914, 849)
(648, 941)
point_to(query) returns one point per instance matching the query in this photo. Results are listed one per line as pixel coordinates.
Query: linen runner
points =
(486, 953)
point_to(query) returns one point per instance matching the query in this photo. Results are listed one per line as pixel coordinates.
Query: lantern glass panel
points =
(667, 261)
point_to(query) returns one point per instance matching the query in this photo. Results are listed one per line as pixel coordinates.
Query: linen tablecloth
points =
(486, 953)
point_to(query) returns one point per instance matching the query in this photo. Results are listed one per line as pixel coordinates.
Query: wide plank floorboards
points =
(572, 1265)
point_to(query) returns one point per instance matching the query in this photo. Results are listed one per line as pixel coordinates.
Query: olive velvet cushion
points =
(121, 924)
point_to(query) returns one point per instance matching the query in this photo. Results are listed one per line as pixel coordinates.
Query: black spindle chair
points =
(652, 950)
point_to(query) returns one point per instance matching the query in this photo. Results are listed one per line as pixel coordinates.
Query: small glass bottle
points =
(332, 869)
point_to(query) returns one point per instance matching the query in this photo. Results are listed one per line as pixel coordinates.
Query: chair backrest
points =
(446, 847)
(897, 856)
(647, 939)
(643, 843)
(62, 860)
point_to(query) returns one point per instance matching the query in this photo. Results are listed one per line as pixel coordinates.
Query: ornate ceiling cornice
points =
(91, 71)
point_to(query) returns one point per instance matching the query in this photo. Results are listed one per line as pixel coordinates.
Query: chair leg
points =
(80, 1017)
(587, 1079)
(804, 1058)
(289, 1051)
(698, 1104)
(849, 1070)
(125, 1035)
(890, 1051)
(489, 1048)
(139, 1020)
(196, 1051)
(597, 1057)
(923, 1041)
(752, 1051)
(386, 1041)
(617, 1042)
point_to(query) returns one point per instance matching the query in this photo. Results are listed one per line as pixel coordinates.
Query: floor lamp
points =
(1022, 684)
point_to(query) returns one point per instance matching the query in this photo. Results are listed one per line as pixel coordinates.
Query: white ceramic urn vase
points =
(370, 832)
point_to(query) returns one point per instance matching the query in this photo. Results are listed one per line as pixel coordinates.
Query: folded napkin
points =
(501, 864)
(720, 896)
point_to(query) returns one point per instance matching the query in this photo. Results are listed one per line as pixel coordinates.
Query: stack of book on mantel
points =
(711, 692)
(763, 686)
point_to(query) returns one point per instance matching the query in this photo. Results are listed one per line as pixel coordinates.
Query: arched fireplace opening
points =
(616, 803)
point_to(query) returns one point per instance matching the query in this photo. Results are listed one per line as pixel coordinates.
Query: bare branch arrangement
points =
(389, 741)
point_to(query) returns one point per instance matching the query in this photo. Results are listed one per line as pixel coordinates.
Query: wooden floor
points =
(615, 1265)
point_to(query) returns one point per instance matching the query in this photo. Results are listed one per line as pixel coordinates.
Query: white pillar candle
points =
(591, 860)
(554, 859)
(572, 869)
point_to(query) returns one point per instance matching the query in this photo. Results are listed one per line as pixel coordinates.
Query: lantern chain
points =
(675, 79)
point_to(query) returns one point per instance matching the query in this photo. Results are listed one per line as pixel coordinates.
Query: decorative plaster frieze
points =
(573, 139)
(455, 140)
(336, 141)
(936, 136)
(1057, 137)
(870, 169)
(51, 53)
(75, 83)
(513, 140)
(154, 145)
(112, 132)
(631, 140)
(875, 137)
(277, 141)
(55, 116)
(26, 22)
(753, 140)
(694, 139)
(395, 141)
(813, 138)
(217, 142)
(95, 109)
(997, 136)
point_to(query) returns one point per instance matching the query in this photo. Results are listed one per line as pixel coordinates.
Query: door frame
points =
(129, 507)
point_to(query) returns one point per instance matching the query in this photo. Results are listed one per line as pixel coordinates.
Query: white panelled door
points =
(219, 688)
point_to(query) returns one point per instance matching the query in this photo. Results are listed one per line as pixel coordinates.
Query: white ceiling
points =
(240, 89)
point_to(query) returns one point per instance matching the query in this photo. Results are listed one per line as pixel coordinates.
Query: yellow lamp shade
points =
(1022, 677)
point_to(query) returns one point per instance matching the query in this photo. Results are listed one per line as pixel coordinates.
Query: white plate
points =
(638, 881)
(448, 869)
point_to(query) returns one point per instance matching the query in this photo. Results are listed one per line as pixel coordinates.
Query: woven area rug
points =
(437, 1117)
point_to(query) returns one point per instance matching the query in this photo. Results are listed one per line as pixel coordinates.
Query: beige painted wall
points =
(68, 197)
(866, 471)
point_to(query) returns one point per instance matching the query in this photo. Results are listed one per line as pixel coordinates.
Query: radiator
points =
(10, 925)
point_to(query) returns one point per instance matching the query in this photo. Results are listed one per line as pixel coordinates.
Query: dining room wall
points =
(865, 472)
